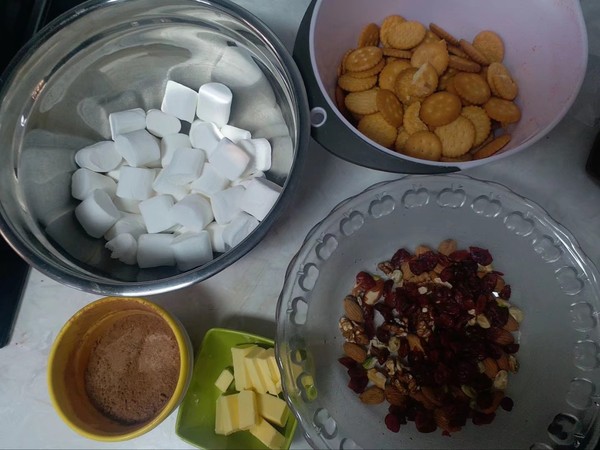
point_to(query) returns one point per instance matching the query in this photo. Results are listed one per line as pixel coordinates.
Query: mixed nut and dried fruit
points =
(433, 336)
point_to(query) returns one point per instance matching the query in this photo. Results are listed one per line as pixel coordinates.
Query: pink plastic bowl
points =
(546, 51)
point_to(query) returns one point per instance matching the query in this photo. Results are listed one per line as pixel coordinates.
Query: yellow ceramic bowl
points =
(69, 358)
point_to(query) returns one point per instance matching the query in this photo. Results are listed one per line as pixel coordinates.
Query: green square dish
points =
(196, 416)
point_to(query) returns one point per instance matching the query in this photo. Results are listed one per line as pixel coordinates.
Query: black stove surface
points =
(19, 21)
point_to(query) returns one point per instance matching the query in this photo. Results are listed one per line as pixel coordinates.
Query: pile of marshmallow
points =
(161, 197)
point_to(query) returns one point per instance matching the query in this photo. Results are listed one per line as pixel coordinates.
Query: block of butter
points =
(267, 434)
(272, 408)
(226, 415)
(224, 380)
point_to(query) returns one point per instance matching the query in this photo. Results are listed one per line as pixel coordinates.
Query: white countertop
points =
(244, 296)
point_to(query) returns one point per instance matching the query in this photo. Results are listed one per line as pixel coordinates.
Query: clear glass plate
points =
(552, 281)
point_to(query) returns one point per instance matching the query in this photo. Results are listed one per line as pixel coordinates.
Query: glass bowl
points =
(111, 55)
(553, 282)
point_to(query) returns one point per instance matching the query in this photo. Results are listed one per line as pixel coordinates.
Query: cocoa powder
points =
(133, 368)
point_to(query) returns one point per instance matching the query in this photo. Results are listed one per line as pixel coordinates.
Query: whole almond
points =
(394, 396)
(497, 397)
(447, 246)
(355, 351)
(511, 324)
(490, 367)
(502, 362)
(414, 342)
(353, 310)
(431, 395)
(372, 395)
(500, 336)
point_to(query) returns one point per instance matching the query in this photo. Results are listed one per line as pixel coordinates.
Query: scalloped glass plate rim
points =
(564, 237)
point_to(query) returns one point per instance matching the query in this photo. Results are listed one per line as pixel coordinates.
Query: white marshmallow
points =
(169, 144)
(259, 197)
(97, 213)
(193, 212)
(116, 172)
(235, 134)
(156, 212)
(135, 183)
(209, 181)
(238, 229)
(215, 232)
(161, 124)
(259, 151)
(214, 103)
(122, 122)
(127, 205)
(179, 101)
(241, 74)
(226, 203)
(84, 182)
(205, 135)
(247, 179)
(138, 148)
(163, 185)
(192, 250)
(128, 223)
(185, 166)
(155, 250)
(99, 157)
(123, 247)
(229, 160)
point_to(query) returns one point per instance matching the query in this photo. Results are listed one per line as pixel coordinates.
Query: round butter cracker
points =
(457, 137)
(363, 58)
(424, 145)
(369, 36)
(375, 127)
(440, 108)
(490, 45)
(390, 107)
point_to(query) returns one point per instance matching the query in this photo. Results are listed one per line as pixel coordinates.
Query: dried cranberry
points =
(392, 423)
(481, 382)
(364, 280)
(507, 404)
(494, 350)
(480, 418)
(382, 354)
(496, 314)
(425, 422)
(423, 263)
(511, 348)
(347, 362)
(358, 384)
(459, 255)
(357, 371)
(488, 282)
(403, 349)
(484, 399)
(389, 294)
(386, 311)
(481, 256)
(399, 257)
(466, 371)
(383, 335)
(505, 292)
(441, 375)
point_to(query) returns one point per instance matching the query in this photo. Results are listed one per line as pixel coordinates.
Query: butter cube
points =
(270, 356)
(264, 372)
(247, 409)
(252, 371)
(272, 408)
(227, 415)
(239, 368)
(268, 435)
(224, 380)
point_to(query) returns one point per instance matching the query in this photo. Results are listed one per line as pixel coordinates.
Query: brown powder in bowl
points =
(133, 368)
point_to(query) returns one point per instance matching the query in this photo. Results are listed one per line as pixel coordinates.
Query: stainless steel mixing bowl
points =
(111, 55)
